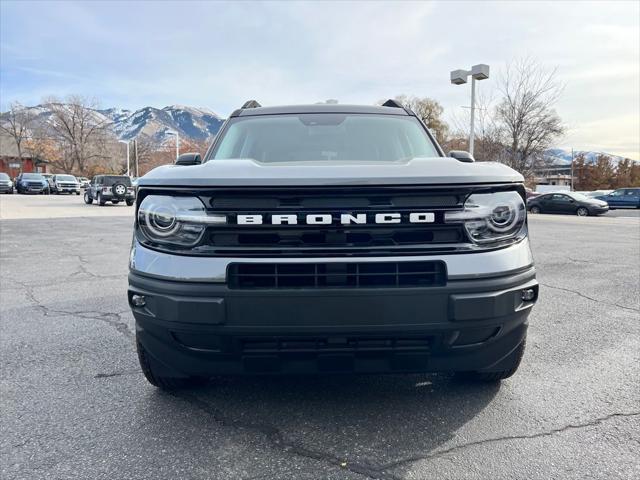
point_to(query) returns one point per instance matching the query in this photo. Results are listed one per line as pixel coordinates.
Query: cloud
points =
(219, 54)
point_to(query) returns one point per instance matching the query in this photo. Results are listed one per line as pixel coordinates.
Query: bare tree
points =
(429, 111)
(82, 132)
(526, 112)
(488, 132)
(16, 123)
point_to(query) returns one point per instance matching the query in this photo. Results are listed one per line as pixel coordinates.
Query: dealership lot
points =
(75, 405)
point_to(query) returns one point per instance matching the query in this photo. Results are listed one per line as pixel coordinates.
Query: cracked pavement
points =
(74, 404)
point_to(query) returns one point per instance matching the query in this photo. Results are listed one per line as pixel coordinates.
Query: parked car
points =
(6, 185)
(596, 193)
(530, 193)
(32, 183)
(623, 197)
(63, 183)
(567, 203)
(110, 188)
(84, 182)
(49, 178)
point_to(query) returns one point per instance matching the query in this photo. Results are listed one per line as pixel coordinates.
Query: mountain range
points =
(190, 122)
(193, 123)
(201, 124)
(559, 157)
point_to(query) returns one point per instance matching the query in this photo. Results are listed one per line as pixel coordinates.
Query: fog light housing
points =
(138, 300)
(528, 294)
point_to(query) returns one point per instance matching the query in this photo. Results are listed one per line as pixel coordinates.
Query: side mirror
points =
(462, 156)
(189, 159)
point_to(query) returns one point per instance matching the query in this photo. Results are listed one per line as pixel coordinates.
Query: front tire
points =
(164, 383)
(513, 362)
(131, 202)
(582, 212)
(535, 209)
(101, 201)
(87, 199)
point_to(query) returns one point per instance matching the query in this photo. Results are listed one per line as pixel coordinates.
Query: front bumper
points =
(599, 210)
(31, 189)
(112, 196)
(6, 188)
(67, 189)
(197, 328)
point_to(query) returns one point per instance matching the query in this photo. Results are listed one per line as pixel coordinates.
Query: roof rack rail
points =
(392, 103)
(251, 104)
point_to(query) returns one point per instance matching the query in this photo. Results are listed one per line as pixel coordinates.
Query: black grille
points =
(334, 239)
(336, 275)
(323, 344)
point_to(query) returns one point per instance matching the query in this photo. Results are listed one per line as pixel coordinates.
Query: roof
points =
(8, 147)
(319, 108)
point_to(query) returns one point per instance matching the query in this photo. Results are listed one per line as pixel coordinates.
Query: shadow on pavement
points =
(373, 421)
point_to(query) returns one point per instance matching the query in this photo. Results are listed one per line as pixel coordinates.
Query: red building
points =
(10, 162)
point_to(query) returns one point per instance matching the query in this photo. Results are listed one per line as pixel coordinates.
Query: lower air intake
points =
(337, 275)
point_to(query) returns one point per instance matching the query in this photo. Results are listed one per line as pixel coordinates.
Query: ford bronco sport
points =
(329, 239)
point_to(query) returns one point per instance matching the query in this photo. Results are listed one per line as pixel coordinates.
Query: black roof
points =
(319, 108)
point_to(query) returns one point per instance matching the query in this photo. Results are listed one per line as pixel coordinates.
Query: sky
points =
(218, 55)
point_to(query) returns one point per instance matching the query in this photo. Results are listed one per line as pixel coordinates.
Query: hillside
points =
(190, 122)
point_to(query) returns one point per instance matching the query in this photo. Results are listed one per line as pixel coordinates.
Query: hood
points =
(418, 171)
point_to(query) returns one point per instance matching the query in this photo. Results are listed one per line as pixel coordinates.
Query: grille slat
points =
(336, 275)
(330, 345)
(353, 239)
(363, 199)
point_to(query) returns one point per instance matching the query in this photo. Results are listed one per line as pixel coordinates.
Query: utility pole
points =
(135, 147)
(172, 132)
(473, 111)
(126, 142)
(572, 169)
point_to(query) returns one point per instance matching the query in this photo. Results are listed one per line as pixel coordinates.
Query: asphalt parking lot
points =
(74, 404)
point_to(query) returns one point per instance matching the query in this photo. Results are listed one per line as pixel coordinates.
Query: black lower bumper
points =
(207, 329)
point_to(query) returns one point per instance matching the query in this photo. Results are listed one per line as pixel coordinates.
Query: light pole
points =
(459, 77)
(572, 159)
(135, 154)
(172, 132)
(126, 142)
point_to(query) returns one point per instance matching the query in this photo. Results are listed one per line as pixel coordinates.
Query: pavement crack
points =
(83, 270)
(278, 440)
(547, 433)
(111, 318)
(117, 374)
(580, 294)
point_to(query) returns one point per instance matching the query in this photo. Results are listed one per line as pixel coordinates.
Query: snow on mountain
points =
(193, 123)
(560, 157)
(189, 122)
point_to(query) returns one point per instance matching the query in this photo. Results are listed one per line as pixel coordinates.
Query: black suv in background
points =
(110, 188)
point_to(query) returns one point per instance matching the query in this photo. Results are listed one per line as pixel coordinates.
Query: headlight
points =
(491, 217)
(177, 221)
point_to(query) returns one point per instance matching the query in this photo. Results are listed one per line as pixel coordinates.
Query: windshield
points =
(324, 137)
(113, 179)
(32, 176)
(4, 176)
(66, 178)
